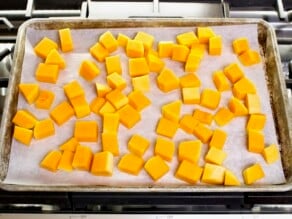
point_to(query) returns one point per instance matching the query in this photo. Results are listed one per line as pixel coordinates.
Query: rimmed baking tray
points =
(275, 80)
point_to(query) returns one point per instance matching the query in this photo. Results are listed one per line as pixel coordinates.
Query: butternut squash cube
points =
(47, 73)
(69, 145)
(96, 104)
(116, 81)
(256, 141)
(189, 80)
(62, 113)
(86, 131)
(189, 172)
(242, 87)
(131, 164)
(141, 83)
(29, 91)
(111, 122)
(117, 98)
(187, 38)
(256, 122)
(172, 110)
(138, 100)
(253, 173)
(51, 160)
(122, 40)
(199, 49)
(166, 127)
(188, 123)
(113, 64)
(138, 67)
(203, 116)
(223, 116)
(80, 106)
(253, 104)
(164, 148)
(156, 167)
(192, 63)
(204, 34)
(155, 63)
(102, 89)
(240, 45)
(213, 174)
(43, 129)
(165, 49)
(138, 144)
(215, 45)
(99, 52)
(88, 70)
(230, 179)
(210, 98)
(191, 95)
(107, 107)
(220, 80)
(73, 89)
(44, 46)
(110, 143)
(66, 161)
(129, 116)
(54, 58)
(82, 158)
(203, 133)
(102, 164)
(215, 156)
(146, 39)
(66, 40)
(271, 154)
(135, 49)
(237, 107)
(45, 99)
(218, 139)
(23, 135)
(167, 80)
(24, 119)
(233, 72)
(108, 41)
(250, 57)
(190, 151)
(180, 53)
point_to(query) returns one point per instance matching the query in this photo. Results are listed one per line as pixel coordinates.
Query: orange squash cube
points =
(156, 167)
(172, 110)
(155, 63)
(256, 141)
(69, 145)
(102, 164)
(165, 49)
(111, 122)
(51, 160)
(131, 164)
(99, 52)
(220, 80)
(47, 73)
(223, 116)
(62, 113)
(107, 107)
(204, 34)
(108, 41)
(129, 116)
(210, 98)
(218, 139)
(167, 80)
(122, 40)
(164, 148)
(54, 58)
(242, 87)
(146, 39)
(203, 133)
(198, 50)
(189, 80)
(138, 67)
(86, 131)
(215, 156)
(23, 135)
(203, 116)
(271, 154)
(187, 38)
(30, 91)
(66, 160)
(43, 129)
(88, 70)
(230, 179)
(188, 123)
(215, 45)
(190, 150)
(237, 107)
(102, 89)
(109, 141)
(189, 172)
(24, 119)
(80, 106)
(233, 72)
(138, 100)
(253, 104)
(66, 40)
(138, 144)
(135, 49)
(73, 89)
(191, 95)
(113, 64)
(192, 63)
(117, 98)
(116, 81)
(256, 122)
(213, 174)
(96, 104)
(180, 53)
(141, 83)
(253, 173)
(250, 57)
(82, 158)
(166, 127)
(45, 99)
(44, 46)
(240, 45)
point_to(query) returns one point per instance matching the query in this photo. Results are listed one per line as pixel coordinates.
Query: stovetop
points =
(14, 12)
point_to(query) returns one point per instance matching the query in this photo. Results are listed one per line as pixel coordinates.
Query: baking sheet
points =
(23, 166)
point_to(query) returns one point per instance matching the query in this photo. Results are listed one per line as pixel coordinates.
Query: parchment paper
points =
(24, 161)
